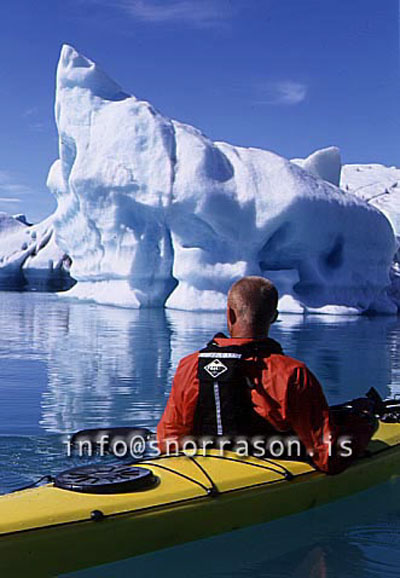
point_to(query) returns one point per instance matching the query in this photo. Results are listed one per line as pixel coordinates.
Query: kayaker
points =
(245, 385)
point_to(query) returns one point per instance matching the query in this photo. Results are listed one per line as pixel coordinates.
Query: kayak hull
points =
(57, 544)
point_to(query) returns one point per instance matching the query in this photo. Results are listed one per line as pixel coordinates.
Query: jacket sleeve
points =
(331, 446)
(178, 417)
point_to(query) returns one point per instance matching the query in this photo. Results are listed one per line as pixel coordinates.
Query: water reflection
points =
(67, 365)
(356, 537)
(348, 354)
(103, 364)
(110, 366)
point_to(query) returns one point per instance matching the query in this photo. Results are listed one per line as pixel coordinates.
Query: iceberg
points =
(324, 164)
(151, 212)
(29, 256)
(378, 185)
(374, 183)
(154, 213)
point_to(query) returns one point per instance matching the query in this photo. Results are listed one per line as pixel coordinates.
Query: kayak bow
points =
(49, 530)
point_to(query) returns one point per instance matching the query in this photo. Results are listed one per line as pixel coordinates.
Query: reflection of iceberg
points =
(103, 365)
(348, 354)
(192, 331)
(110, 366)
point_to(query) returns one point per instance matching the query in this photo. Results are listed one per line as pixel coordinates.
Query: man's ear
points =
(231, 316)
(275, 316)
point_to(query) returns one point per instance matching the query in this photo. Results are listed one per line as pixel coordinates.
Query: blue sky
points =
(286, 75)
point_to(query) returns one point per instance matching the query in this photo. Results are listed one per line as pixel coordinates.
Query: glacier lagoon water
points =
(66, 365)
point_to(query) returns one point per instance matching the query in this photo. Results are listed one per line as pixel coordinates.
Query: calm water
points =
(67, 365)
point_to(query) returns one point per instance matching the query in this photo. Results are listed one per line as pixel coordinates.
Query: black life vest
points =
(224, 406)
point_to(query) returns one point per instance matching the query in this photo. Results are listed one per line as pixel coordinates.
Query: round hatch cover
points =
(106, 479)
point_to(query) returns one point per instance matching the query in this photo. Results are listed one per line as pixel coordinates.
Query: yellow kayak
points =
(49, 530)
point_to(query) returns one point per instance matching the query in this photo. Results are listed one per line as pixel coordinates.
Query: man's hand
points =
(363, 405)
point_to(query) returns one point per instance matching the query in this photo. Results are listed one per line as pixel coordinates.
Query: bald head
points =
(252, 303)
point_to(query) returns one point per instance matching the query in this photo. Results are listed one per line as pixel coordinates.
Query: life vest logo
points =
(215, 368)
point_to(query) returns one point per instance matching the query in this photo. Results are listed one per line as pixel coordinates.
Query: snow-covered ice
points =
(29, 256)
(324, 164)
(153, 212)
(378, 185)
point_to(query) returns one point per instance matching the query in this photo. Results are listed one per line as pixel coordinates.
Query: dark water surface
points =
(67, 365)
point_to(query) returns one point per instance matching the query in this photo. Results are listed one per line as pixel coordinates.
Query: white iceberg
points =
(324, 164)
(378, 185)
(29, 256)
(154, 213)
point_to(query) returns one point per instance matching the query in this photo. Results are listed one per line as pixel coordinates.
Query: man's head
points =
(252, 307)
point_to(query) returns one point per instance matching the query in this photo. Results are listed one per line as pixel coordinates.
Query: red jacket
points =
(286, 394)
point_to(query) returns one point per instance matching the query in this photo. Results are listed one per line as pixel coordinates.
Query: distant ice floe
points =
(30, 257)
(376, 184)
(380, 187)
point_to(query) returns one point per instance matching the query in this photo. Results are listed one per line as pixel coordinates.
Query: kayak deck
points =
(196, 497)
(181, 478)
